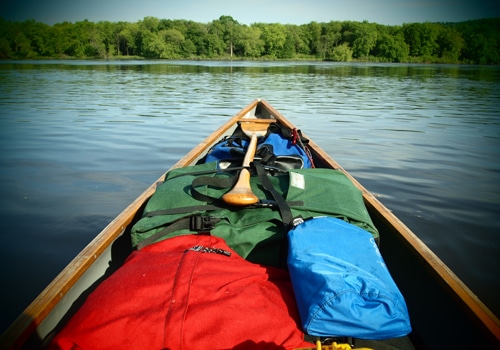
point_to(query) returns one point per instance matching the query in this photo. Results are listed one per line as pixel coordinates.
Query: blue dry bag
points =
(341, 283)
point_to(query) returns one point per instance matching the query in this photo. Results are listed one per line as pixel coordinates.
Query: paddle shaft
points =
(241, 194)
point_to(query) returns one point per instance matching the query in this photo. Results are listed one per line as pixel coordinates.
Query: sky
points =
(388, 12)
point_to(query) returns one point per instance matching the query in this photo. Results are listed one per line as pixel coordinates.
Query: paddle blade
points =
(241, 194)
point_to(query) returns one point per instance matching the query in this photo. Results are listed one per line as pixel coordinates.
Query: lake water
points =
(79, 140)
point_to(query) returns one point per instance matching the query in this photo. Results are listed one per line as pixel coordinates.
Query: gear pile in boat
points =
(302, 261)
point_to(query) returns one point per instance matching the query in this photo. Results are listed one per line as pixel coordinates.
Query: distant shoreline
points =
(469, 42)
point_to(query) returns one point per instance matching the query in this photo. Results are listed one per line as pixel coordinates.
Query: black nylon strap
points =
(197, 223)
(283, 207)
(176, 225)
(263, 203)
(206, 172)
(217, 182)
(182, 210)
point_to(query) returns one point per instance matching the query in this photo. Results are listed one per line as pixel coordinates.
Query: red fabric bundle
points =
(187, 293)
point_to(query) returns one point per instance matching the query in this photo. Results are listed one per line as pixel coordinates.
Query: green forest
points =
(470, 42)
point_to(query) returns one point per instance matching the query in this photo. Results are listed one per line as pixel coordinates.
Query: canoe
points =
(444, 312)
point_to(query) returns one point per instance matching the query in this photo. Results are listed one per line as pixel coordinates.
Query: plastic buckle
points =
(202, 223)
(297, 221)
(265, 203)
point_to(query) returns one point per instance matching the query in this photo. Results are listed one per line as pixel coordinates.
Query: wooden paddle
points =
(241, 194)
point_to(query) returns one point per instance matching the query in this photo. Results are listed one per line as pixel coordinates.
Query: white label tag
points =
(297, 180)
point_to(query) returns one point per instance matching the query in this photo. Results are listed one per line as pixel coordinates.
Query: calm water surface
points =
(80, 140)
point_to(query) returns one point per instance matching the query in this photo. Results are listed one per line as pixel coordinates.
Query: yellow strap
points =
(334, 346)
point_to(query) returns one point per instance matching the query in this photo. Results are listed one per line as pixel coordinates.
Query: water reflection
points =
(415, 71)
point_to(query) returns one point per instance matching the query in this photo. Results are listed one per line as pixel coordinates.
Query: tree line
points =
(471, 42)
